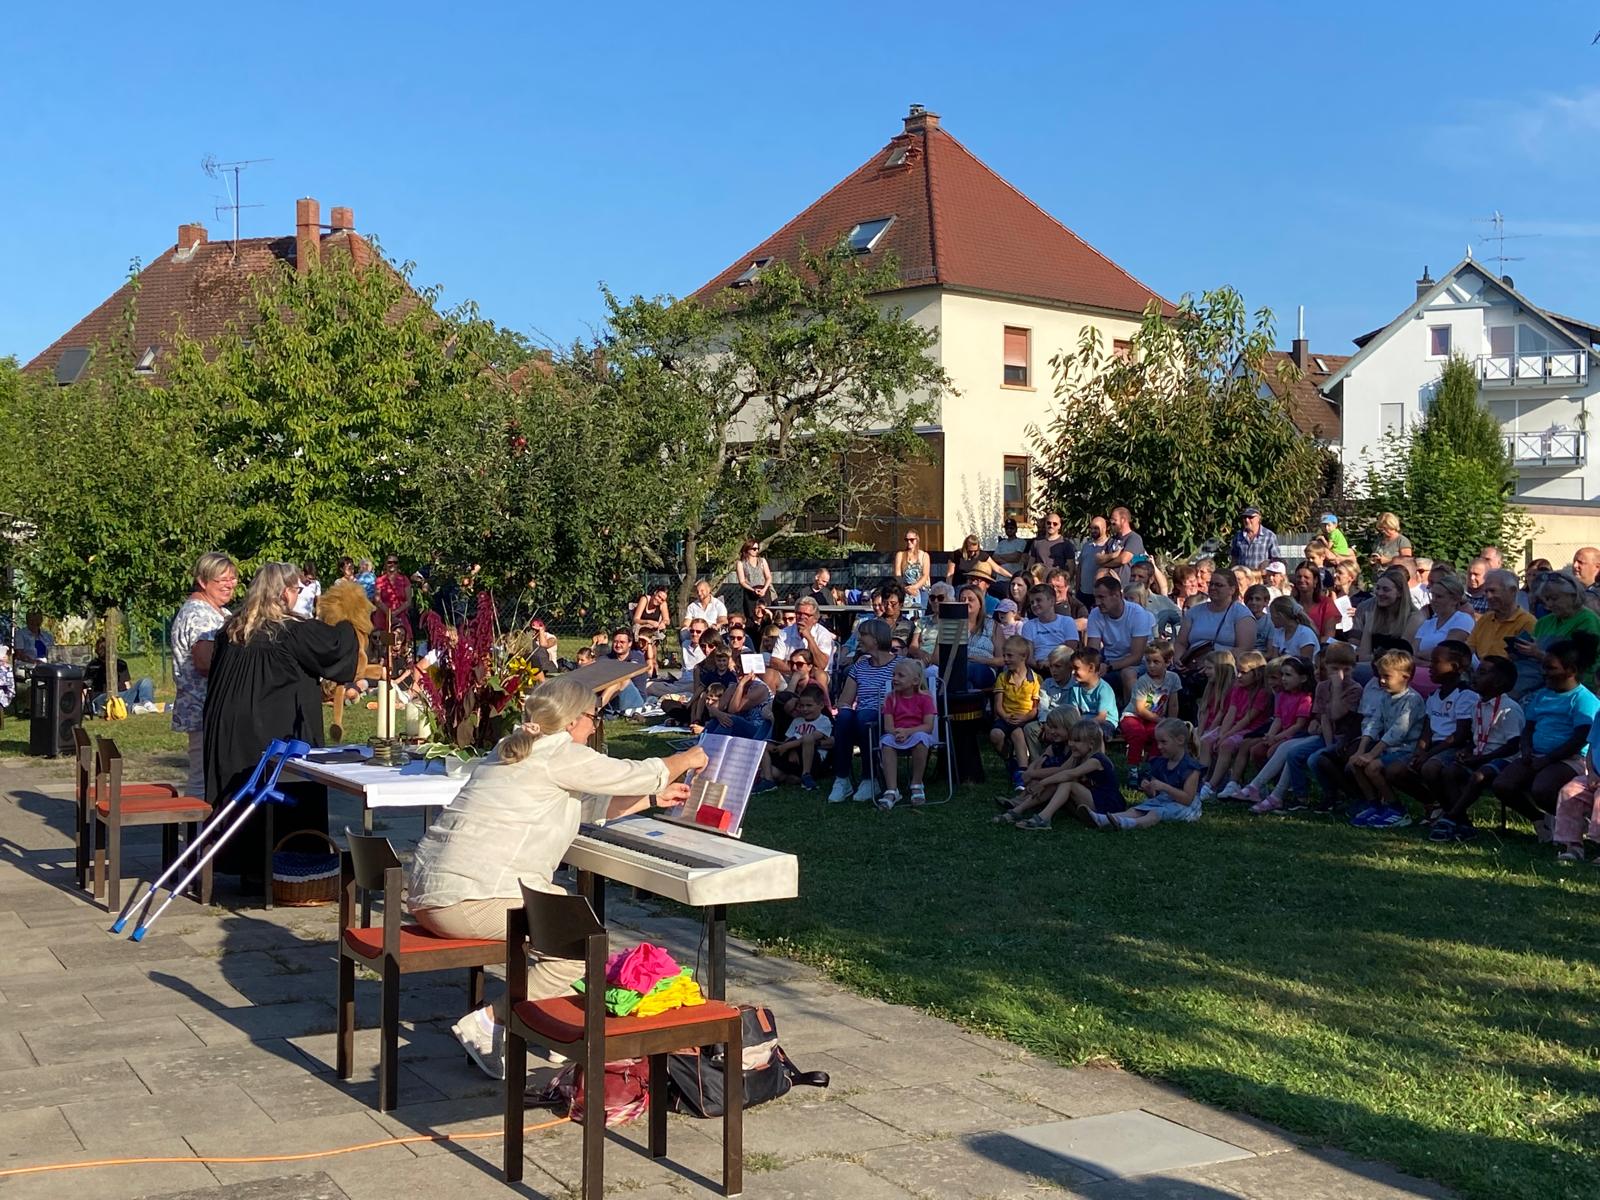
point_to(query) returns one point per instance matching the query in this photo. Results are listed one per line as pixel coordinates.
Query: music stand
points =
(605, 678)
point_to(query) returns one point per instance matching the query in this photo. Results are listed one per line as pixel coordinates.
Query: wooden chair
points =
(560, 926)
(371, 865)
(116, 805)
(88, 771)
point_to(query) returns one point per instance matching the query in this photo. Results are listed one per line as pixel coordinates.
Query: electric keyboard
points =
(683, 863)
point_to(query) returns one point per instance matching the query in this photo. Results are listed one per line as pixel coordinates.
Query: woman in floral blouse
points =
(193, 631)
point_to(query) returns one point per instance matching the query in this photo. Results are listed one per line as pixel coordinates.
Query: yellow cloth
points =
(681, 991)
(1489, 634)
(1015, 699)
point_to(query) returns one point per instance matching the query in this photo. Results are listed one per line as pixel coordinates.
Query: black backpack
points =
(696, 1081)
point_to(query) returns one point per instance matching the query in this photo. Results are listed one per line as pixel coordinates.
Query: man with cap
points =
(1337, 542)
(1253, 545)
(1276, 578)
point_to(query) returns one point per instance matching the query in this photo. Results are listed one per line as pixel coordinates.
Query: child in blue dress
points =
(1089, 781)
(1171, 780)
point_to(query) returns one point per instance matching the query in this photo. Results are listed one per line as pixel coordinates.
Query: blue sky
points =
(519, 154)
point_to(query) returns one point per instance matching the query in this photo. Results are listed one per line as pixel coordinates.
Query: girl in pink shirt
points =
(908, 721)
(1247, 715)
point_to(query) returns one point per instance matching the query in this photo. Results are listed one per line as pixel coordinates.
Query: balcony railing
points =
(1569, 366)
(1552, 448)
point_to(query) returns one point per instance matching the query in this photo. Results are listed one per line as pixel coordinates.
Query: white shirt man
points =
(1045, 629)
(706, 607)
(806, 634)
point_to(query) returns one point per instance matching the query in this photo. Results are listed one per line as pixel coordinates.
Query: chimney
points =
(341, 220)
(920, 119)
(1424, 284)
(190, 236)
(307, 234)
(1301, 350)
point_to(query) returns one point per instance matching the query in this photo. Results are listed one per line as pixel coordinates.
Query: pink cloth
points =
(907, 711)
(641, 968)
(1291, 707)
(1578, 811)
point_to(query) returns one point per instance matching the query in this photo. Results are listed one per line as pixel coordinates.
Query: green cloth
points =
(1550, 629)
(621, 1001)
(1340, 543)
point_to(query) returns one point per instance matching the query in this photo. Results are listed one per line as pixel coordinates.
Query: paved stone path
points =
(214, 1038)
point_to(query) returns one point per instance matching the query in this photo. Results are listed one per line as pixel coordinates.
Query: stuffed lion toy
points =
(347, 601)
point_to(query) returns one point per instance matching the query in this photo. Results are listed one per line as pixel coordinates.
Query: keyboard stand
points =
(715, 984)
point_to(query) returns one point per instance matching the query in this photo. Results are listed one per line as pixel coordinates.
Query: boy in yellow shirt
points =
(1016, 705)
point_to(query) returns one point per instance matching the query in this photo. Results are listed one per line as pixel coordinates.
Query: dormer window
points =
(147, 362)
(897, 156)
(864, 237)
(749, 274)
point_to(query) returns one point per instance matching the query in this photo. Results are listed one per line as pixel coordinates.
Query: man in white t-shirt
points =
(1011, 550)
(1121, 631)
(705, 606)
(1045, 628)
(805, 634)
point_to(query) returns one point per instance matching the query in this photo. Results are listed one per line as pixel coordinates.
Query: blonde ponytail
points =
(550, 708)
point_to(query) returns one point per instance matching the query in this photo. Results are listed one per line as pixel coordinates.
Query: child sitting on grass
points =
(1247, 715)
(1497, 722)
(1044, 773)
(1090, 695)
(1291, 716)
(1088, 782)
(1171, 781)
(1053, 690)
(1578, 805)
(1446, 732)
(1220, 671)
(908, 721)
(1154, 697)
(1390, 735)
(1334, 721)
(794, 759)
(1016, 705)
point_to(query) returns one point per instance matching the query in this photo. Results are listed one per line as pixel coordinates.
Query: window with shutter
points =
(1016, 348)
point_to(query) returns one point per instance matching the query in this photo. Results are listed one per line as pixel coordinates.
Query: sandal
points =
(1033, 822)
(1571, 854)
(1005, 818)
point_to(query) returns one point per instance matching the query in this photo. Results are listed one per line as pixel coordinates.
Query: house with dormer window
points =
(1535, 368)
(1002, 284)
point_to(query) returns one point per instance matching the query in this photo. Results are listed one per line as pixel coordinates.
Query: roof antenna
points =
(221, 170)
(1498, 235)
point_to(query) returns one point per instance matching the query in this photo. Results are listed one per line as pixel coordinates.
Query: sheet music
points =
(733, 763)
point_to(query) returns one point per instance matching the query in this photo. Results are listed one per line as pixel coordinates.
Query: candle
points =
(385, 712)
(413, 722)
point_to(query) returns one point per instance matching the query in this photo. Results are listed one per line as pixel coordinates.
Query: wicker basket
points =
(301, 879)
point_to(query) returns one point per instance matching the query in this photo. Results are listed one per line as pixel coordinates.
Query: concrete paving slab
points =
(1117, 1145)
(1079, 1091)
(43, 1087)
(106, 1126)
(36, 1134)
(17, 965)
(145, 1037)
(932, 1110)
(254, 1023)
(26, 1012)
(981, 1167)
(928, 1059)
(245, 1065)
(792, 1128)
(14, 1053)
(1256, 1136)
(295, 1137)
(290, 1187)
(1324, 1174)
(314, 1094)
(127, 1182)
(119, 950)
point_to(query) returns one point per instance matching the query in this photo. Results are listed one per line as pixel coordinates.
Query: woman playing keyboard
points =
(513, 821)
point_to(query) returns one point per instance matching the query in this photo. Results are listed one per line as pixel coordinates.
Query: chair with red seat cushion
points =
(88, 772)
(113, 805)
(560, 926)
(393, 949)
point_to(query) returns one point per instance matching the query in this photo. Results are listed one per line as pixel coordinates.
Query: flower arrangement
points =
(478, 682)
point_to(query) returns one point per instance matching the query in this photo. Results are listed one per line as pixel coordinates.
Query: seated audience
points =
(1089, 783)
(807, 634)
(1045, 629)
(963, 562)
(909, 719)
(705, 607)
(1389, 735)
(1043, 773)
(794, 758)
(1497, 723)
(622, 649)
(1016, 703)
(1171, 782)
(1090, 695)
(1557, 718)
(139, 696)
(1121, 631)
(860, 709)
(1446, 732)
(1153, 696)
(652, 617)
(1578, 806)
(1292, 631)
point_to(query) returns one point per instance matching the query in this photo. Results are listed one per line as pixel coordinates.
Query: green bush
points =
(1450, 505)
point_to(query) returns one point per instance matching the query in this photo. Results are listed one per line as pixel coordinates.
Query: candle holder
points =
(387, 752)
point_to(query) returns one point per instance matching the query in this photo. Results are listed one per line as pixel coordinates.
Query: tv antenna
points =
(1498, 235)
(222, 171)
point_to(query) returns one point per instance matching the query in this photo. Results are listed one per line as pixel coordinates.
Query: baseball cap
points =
(1276, 568)
(1139, 558)
(1330, 519)
(1006, 606)
(1250, 511)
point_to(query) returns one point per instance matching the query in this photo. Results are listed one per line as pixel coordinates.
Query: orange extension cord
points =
(275, 1158)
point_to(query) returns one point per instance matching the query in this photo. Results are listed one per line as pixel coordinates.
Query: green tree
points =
(1457, 421)
(1183, 430)
(765, 393)
(1452, 504)
(317, 406)
(109, 483)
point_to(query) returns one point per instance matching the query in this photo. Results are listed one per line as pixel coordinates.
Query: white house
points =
(1536, 371)
(1004, 286)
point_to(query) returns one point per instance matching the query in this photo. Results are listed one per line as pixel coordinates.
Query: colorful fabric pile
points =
(646, 981)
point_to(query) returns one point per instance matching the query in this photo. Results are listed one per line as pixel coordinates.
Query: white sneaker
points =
(1207, 792)
(888, 800)
(486, 1049)
(840, 792)
(1229, 790)
(867, 791)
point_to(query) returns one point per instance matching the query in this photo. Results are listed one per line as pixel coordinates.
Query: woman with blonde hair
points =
(513, 822)
(265, 683)
(193, 632)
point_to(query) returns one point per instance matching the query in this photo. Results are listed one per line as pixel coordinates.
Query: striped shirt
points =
(872, 682)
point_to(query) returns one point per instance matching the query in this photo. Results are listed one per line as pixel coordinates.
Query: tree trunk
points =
(691, 569)
(113, 619)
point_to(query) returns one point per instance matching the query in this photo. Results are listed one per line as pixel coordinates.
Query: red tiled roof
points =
(956, 224)
(1313, 413)
(202, 290)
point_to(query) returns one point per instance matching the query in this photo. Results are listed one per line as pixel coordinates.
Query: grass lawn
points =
(1430, 1006)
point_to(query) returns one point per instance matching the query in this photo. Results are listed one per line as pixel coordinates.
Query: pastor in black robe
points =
(266, 688)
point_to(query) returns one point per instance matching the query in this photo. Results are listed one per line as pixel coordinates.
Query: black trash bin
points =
(55, 707)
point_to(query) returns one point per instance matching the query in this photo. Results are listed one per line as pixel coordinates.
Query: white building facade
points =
(1536, 373)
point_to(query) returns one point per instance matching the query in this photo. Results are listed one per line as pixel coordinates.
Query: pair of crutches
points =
(261, 788)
